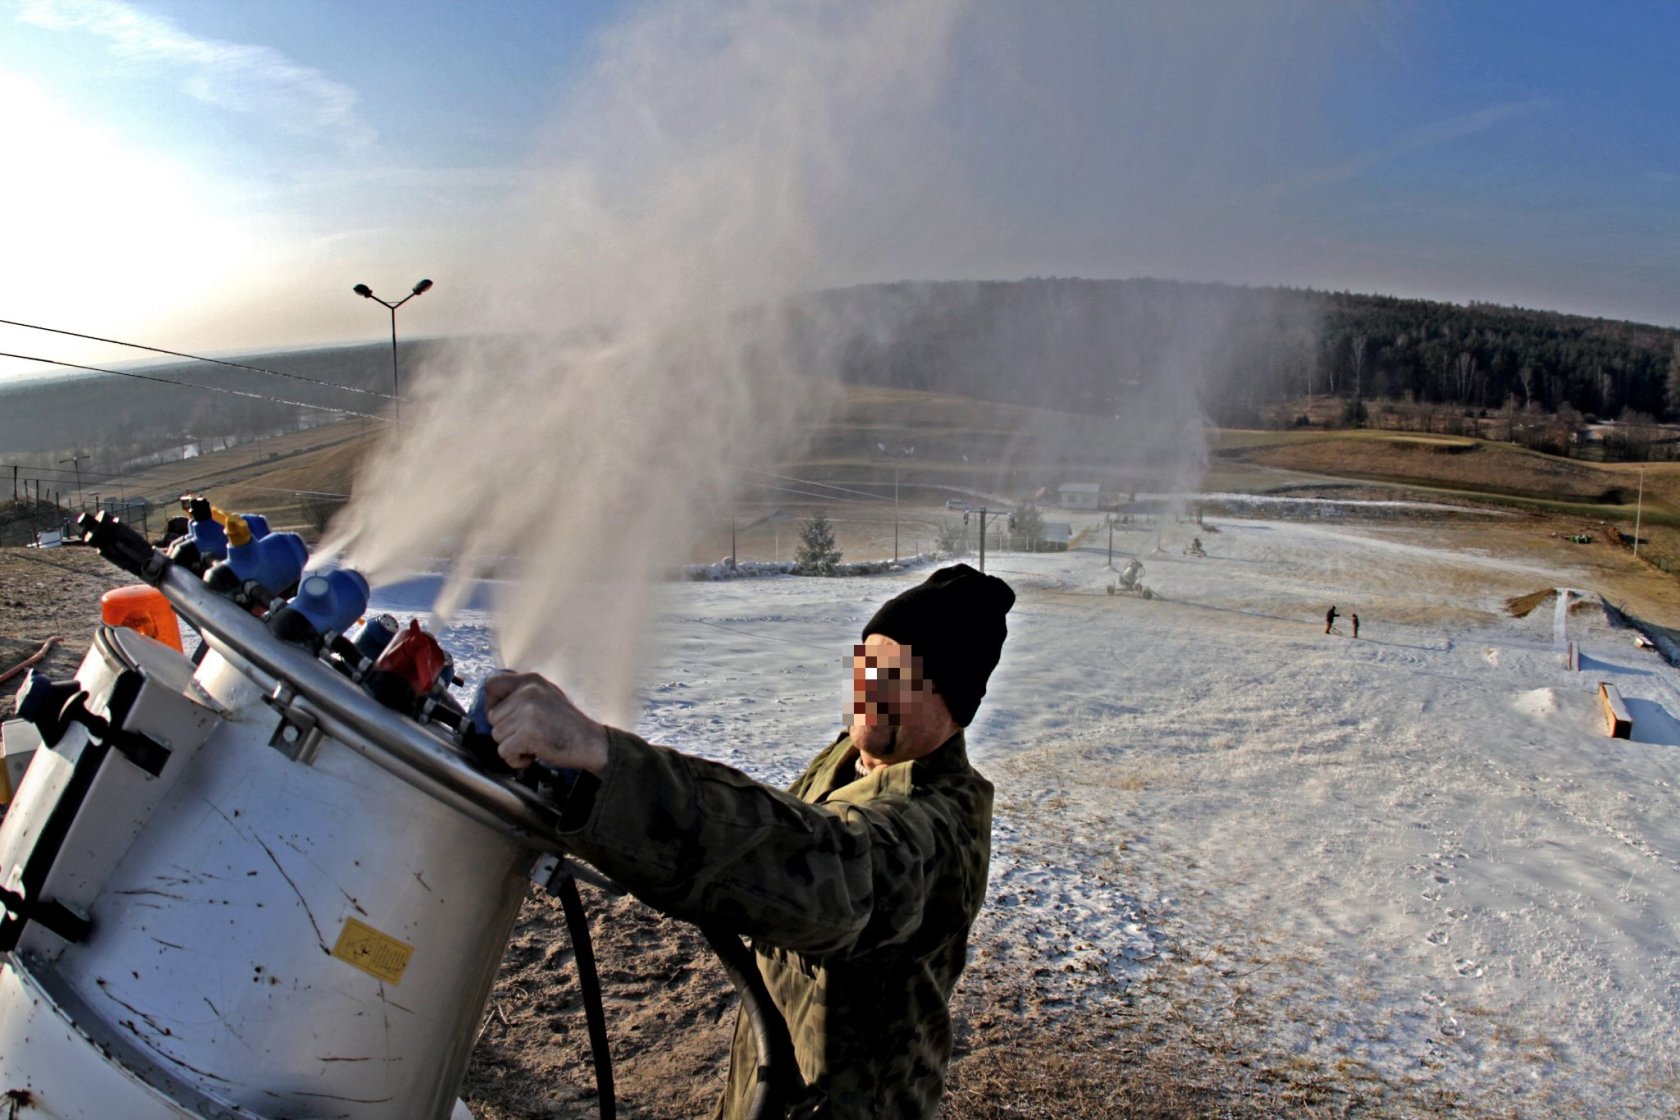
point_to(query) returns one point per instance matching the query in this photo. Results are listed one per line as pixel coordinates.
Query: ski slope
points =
(1411, 866)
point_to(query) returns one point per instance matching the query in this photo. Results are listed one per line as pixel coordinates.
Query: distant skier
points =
(1355, 620)
(1329, 618)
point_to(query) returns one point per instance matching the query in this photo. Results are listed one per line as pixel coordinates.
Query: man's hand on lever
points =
(533, 721)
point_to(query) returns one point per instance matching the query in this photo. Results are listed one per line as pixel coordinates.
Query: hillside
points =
(1098, 348)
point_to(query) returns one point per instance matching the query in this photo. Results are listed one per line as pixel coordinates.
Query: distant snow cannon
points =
(1130, 581)
(275, 880)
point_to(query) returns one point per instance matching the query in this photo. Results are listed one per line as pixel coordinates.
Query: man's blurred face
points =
(893, 705)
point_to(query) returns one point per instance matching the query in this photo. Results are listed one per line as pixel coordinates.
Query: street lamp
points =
(367, 293)
(77, 459)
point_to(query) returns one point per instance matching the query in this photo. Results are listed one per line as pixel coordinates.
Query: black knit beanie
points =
(953, 621)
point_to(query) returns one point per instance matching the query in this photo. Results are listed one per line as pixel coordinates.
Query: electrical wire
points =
(194, 357)
(812, 482)
(802, 493)
(190, 385)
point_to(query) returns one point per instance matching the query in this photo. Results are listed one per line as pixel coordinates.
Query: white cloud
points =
(238, 77)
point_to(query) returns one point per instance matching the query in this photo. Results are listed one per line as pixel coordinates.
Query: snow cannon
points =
(244, 887)
(261, 566)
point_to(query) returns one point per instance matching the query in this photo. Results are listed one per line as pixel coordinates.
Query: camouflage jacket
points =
(858, 894)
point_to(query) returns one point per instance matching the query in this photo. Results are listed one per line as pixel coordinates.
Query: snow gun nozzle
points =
(122, 546)
(412, 665)
(376, 633)
(477, 741)
(325, 603)
(261, 566)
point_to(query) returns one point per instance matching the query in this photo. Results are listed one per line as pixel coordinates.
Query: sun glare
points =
(102, 236)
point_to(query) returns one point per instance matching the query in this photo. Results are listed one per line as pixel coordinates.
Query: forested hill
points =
(1092, 344)
(1099, 347)
(1484, 355)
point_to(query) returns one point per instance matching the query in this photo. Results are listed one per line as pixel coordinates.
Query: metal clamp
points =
(551, 870)
(297, 735)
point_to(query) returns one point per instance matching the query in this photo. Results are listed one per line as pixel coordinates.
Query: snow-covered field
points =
(1410, 865)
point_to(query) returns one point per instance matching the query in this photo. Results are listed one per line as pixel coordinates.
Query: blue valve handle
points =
(42, 699)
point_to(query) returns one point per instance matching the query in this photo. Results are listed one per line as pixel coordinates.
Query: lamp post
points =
(77, 460)
(367, 293)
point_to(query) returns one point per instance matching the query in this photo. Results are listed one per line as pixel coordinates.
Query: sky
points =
(216, 177)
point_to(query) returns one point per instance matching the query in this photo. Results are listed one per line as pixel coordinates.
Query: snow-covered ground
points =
(1411, 864)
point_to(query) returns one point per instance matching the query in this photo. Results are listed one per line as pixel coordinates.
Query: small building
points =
(1079, 495)
(1057, 536)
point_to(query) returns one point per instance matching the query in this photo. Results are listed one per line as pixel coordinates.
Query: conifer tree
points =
(817, 554)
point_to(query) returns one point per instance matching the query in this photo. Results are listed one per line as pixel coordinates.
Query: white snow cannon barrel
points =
(245, 888)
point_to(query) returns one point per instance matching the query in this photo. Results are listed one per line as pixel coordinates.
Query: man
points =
(1329, 618)
(858, 886)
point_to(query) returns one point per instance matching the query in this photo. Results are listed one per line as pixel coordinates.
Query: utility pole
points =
(1111, 542)
(895, 515)
(1638, 509)
(982, 538)
(77, 460)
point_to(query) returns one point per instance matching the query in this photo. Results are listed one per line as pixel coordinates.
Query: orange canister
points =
(144, 609)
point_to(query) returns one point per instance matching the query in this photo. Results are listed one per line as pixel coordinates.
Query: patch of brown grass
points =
(1523, 604)
(1479, 467)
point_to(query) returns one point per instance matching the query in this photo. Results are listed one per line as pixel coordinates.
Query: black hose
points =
(778, 1067)
(589, 986)
(777, 1082)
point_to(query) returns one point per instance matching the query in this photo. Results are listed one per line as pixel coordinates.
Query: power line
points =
(813, 482)
(190, 385)
(802, 493)
(194, 357)
(284, 490)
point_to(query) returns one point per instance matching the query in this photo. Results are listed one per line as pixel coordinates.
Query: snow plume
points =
(663, 304)
(718, 160)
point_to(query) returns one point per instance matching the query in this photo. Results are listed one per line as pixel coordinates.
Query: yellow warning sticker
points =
(377, 954)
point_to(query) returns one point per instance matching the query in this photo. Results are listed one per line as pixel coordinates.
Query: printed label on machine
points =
(377, 954)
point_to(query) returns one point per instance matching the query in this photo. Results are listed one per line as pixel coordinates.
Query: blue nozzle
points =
(275, 560)
(40, 697)
(375, 635)
(210, 538)
(331, 601)
(479, 713)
